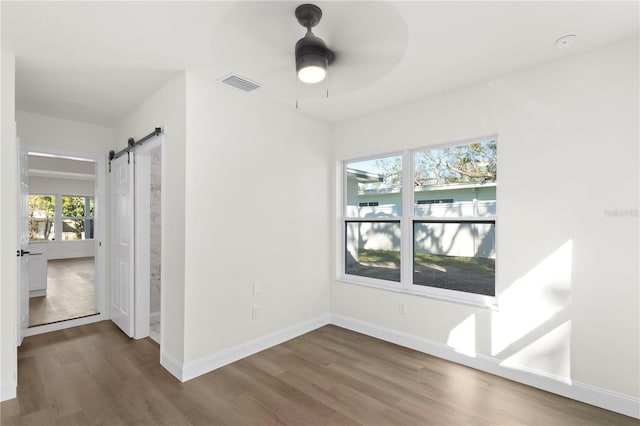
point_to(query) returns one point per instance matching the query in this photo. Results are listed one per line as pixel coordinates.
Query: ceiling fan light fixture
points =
(312, 73)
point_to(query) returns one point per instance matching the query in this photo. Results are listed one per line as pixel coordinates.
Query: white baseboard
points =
(603, 398)
(37, 293)
(70, 255)
(214, 361)
(7, 390)
(172, 365)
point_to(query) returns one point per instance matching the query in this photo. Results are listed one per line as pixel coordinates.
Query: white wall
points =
(70, 249)
(236, 235)
(51, 185)
(567, 268)
(44, 131)
(8, 222)
(167, 109)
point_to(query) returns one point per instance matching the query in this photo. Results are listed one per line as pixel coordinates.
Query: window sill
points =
(476, 301)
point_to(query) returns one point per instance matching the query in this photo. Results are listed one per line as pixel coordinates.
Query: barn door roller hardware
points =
(131, 144)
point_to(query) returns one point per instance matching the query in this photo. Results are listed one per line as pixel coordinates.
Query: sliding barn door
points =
(122, 244)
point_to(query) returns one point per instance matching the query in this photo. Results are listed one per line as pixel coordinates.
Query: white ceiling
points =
(96, 61)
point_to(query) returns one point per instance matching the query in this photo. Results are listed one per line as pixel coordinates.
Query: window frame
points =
(407, 221)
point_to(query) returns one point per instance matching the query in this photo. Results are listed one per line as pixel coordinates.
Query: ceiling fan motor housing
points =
(311, 49)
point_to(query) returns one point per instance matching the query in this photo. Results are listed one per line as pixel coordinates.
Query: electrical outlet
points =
(255, 312)
(257, 287)
(402, 308)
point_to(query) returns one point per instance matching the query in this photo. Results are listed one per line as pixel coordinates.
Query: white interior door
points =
(122, 244)
(23, 244)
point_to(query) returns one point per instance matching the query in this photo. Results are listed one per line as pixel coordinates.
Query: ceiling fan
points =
(312, 55)
(278, 53)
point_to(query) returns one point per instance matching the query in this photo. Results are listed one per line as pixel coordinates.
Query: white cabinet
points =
(38, 260)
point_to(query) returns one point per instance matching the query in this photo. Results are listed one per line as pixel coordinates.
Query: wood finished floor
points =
(71, 292)
(95, 375)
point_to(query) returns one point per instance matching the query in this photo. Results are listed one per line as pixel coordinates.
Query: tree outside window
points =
(42, 211)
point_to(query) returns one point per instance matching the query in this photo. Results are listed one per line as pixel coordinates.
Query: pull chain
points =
(297, 89)
(326, 78)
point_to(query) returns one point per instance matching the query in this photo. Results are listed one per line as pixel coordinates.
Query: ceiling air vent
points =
(240, 83)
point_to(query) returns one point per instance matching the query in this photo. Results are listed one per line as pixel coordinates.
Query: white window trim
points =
(406, 220)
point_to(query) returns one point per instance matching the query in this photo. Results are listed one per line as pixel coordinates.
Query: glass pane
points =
(91, 207)
(374, 187)
(74, 206)
(455, 256)
(42, 206)
(373, 250)
(42, 210)
(74, 229)
(456, 181)
(41, 230)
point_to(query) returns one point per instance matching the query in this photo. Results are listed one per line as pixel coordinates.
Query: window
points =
(438, 240)
(77, 217)
(372, 228)
(61, 217)
(42, 212)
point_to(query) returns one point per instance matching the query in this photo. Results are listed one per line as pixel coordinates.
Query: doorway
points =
(148, 240)
(155, 243)
(65, 222)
